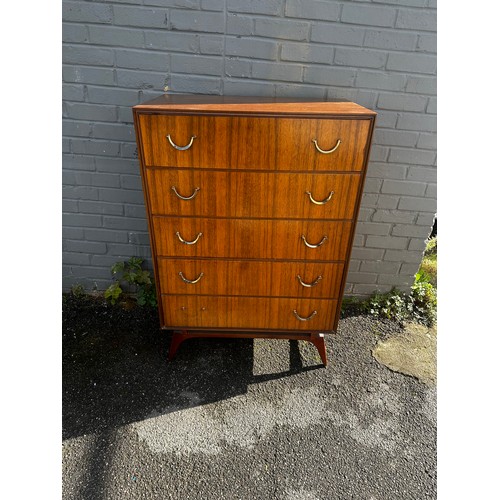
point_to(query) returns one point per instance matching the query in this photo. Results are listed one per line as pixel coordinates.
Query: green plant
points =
(138, 279)
(78, 291)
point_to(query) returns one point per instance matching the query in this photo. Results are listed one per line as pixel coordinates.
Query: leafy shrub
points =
(138, 279)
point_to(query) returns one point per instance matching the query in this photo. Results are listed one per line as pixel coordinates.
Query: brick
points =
(78, 178)
(286, 29)
(91, 112)
(106, 235)
(138, 238)
(432, 105)
(125, 114)
(425, 220)
(415, 121)
(138, 211)
(410, 230)
(373, 241)
(380, 267)
(70, 258)
(390, 39)
(93, 147)
(166, 40)
(74, 33)
(407, 3)
(417, 244)
(81, 220)
(421, 85)
(365, 214)
(329, 76)
(72, 92)
(212, 45)
(397, 281)
(417, 204)
(72, 232)
(131, 182)
(70, 206)
(369, 15)
(246, 47)
(74, 162)
(143, 60)
(403, 187)
(128, 150)
(196, 64)
(185, 4)
(90, 247)
(337, 34)
(423, 19)
(85, 12)
(117, 165)
(364, 290)
(373, 228)
(66, 145)
(308, 53)
(125, 223)
(427, 43)
(386, 201)
(359, 240)
(402, 102)
(140, 17)
(116, 37)
(410, 269)
(395, 137)
(270, 7)
(140, 79)
(431, 191)
(239, 25)
(114, 131)
(121, 97)
(412, 156)
(195, 84)
(425, 174)
(382, 81)
(427, 141)
(360, 57)
(82, 74)
(321, 10)
(238, 68)
(129, 250)
(412, 63)
(372, 185)
(402, 256)
(81, 54)
(276, 71)
(184, 20)
(99, 207)
(76, 128)
(386, 119)
(379, 153)
(362, 97)
(213, 5)
(367, 253)
(80, 192)
(382, 215)
(357, 277)
(121, 196)
(93, 272)
(387, 170)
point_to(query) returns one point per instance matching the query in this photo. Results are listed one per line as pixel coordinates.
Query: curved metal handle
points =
(324, 151)
(191, 282)
(314, 246)
(185, 197)
(181, 148)
(316, 202)
(182, 240)
(300, 318)
(309, 285)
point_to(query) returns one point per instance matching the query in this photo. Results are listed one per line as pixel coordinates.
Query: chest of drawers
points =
(252, 205)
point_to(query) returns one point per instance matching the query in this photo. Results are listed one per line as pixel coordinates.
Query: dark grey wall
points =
(380, 54)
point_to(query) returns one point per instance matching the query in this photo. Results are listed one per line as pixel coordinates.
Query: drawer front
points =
(254, 142)
(198, 311)
(249, 278)
(252, 194)
(251, 239)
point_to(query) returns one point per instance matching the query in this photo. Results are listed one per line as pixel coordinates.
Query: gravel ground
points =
(238, 419)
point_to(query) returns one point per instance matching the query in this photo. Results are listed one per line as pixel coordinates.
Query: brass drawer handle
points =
(324, 151)
(313, 246)
(309, 285)
(191, 282)
(316, 202)
(182, 240)
(185, 197)
(300, 318)
(181, 148)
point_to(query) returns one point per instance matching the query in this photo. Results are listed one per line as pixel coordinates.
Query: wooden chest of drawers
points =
(252, 205)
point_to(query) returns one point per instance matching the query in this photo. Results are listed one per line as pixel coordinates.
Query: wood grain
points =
(250, 278)
(199, 311)
(251, 238)
(251, 194)
(253, 142)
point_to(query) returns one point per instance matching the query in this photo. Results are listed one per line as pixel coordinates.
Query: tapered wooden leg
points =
(319, 342)
(177, 340)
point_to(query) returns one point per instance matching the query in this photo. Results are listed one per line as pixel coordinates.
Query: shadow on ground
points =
(115, 368)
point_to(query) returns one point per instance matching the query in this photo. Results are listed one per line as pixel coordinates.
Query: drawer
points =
(262, 143)
(251, 194)
(198, 311)
(251, 238)
(249, 278)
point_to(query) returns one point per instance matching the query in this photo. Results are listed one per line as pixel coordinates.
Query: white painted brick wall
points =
(381, 54)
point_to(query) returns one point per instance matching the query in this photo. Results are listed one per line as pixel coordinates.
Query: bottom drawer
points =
(198, 311)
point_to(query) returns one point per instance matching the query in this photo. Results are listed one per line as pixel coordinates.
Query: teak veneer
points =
(252, 205)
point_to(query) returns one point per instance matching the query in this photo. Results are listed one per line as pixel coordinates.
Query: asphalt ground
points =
(240, 418)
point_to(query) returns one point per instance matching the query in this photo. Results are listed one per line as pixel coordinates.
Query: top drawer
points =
(260, 143)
